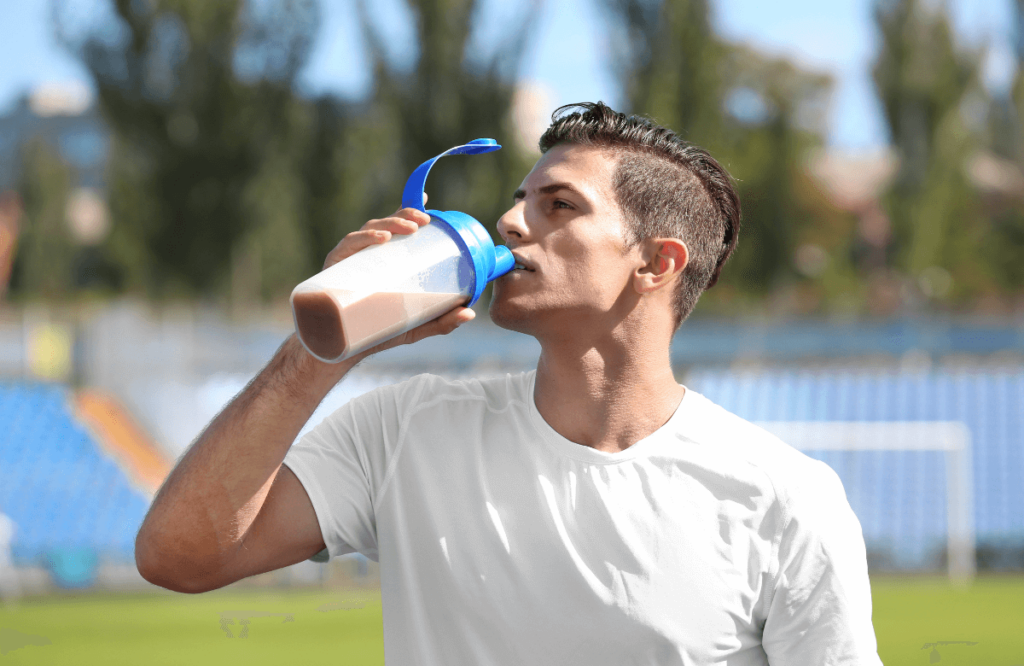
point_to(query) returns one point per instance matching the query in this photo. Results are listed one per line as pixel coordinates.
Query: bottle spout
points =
(503, 262)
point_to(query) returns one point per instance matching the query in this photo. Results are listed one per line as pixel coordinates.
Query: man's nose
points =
(512, 224)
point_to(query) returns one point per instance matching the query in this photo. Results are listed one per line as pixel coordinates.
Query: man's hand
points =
(375, 232)
(405, 221)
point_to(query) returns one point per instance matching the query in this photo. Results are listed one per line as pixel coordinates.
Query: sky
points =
(567, 54)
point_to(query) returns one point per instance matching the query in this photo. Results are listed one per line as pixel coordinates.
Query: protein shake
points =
(333, 323)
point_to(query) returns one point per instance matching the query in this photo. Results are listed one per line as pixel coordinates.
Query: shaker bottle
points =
(385, 290)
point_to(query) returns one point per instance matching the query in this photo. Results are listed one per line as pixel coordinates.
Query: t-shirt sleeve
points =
(342, 462)
(820, 611)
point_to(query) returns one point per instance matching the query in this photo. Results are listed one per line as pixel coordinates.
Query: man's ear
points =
(665, 259)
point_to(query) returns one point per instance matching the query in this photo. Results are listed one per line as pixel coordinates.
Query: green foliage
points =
(763, 119)
(759, 116)
(206, 132)
(222, 178)
(924, 81)
(45, 257)
(671, 64)
(1003, 244)
(448, 99)
(921, 78)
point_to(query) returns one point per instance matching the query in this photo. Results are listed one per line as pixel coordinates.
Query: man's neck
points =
(607, 396)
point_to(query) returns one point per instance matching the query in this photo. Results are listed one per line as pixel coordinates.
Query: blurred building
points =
(531, 109)
(66, 118)
(998, 179)
(65, 122)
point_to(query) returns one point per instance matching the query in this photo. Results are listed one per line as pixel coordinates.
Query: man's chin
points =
(508, 316)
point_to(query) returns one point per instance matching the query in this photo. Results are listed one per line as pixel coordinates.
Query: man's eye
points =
(562, 204)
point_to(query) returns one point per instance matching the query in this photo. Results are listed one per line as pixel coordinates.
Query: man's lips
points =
(522, 263)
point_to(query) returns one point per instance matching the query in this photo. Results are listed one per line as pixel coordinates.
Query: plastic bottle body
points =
(381, 292)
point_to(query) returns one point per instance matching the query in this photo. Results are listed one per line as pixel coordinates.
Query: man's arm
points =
(228, 509)
(201, 532)
(820, 612)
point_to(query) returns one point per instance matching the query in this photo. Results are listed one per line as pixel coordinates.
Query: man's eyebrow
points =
(555, 187)
(549, 189)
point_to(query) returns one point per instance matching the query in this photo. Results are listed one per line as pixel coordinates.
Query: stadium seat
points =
(71, 504)
(900, 496)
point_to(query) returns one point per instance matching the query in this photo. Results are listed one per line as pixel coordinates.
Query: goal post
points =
(951, 437)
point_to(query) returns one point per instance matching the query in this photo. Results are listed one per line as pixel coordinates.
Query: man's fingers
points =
(451, 321)
(355, 241)
(396, 225)
(413, 214)
(405, 221)
(443, 325)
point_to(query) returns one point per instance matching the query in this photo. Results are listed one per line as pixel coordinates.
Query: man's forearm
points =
(216, 490)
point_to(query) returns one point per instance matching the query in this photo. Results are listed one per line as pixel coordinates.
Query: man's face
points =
(567, 232)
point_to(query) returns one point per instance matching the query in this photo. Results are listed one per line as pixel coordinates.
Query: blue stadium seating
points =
(66, 496)
(900, 496)
(72, 505)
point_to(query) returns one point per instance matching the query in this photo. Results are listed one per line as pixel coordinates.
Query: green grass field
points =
(345, 628)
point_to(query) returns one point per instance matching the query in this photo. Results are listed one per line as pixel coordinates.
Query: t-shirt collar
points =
(589, 454)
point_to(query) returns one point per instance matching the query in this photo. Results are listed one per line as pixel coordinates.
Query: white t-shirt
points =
(502, 542)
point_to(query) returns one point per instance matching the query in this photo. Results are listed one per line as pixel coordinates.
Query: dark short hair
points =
(666, 187)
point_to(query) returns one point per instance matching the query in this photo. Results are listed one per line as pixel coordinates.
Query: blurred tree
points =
(1004, 244)
(45, 257)
(450, 96)
(206, 130)
(1006, 129)
(927, 85)
(670, 64)
(757, 115)
(218, 164)
(772, 116)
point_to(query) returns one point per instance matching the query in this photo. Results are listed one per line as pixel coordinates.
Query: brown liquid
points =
(334, 327)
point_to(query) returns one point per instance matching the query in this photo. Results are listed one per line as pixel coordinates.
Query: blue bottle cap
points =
(489, 261)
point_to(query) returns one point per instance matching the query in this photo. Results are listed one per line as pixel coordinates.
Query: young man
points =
(592, 511)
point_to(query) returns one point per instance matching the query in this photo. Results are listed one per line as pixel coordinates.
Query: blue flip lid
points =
(489, 261)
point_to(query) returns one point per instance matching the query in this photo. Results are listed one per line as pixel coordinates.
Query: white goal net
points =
(951, 438)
